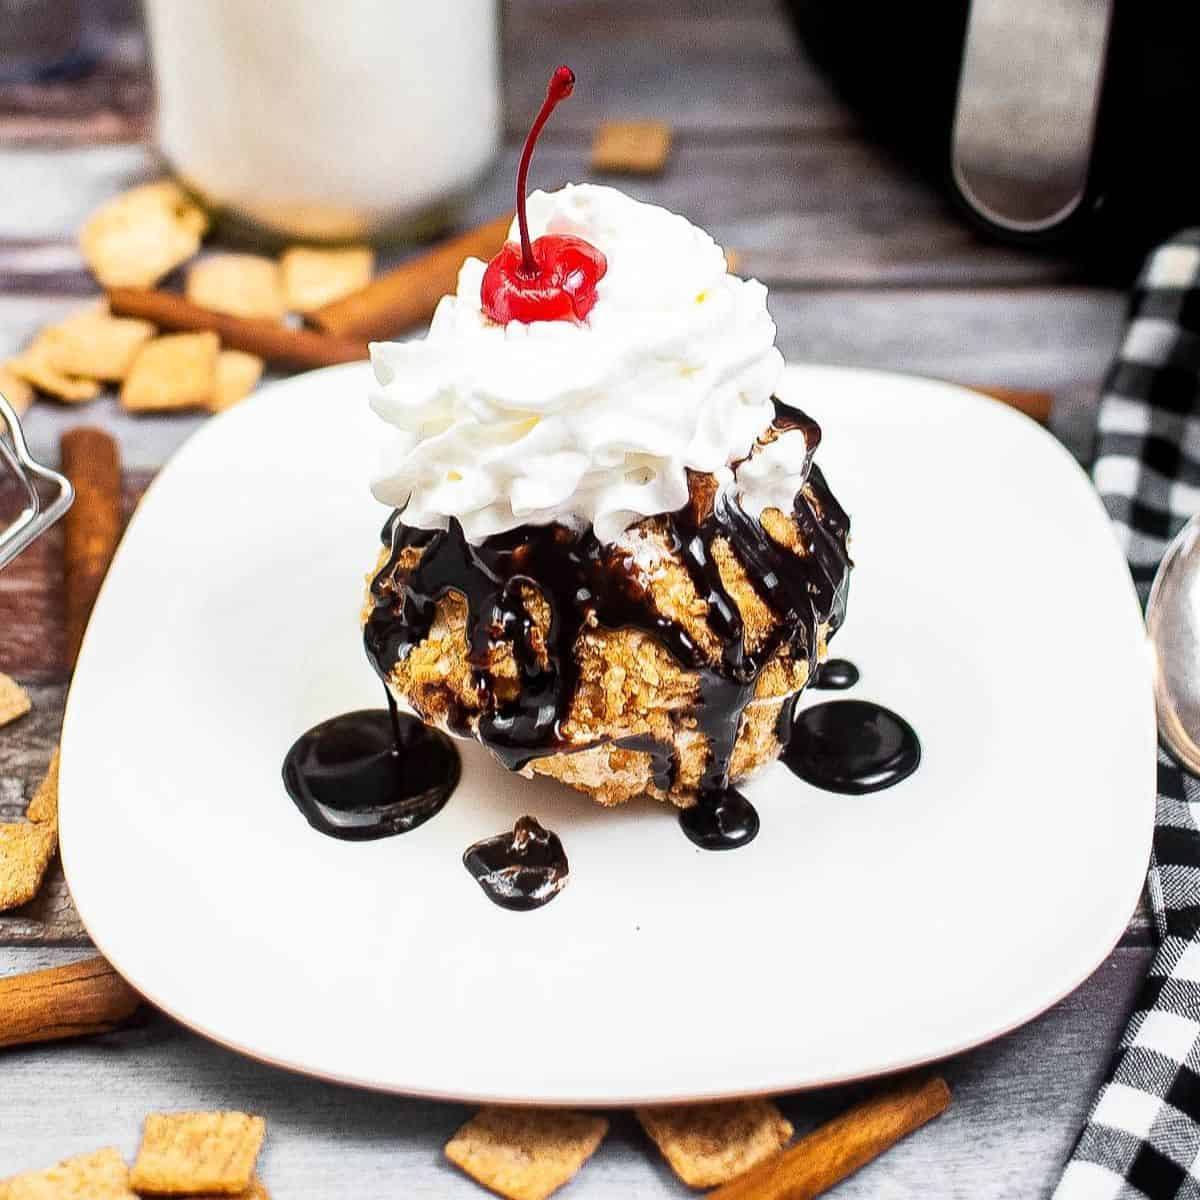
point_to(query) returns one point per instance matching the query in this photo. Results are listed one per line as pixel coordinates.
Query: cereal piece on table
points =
(95, 345)
(35, 364)
(137, 237)
(256, 1191)
(17, 391)
(43, 808)
(709, 1144)
(237, 374)
(101, 1175)
(14, 700)
(631, 147)
(243, 285)
(525, 1153)
(25, 852)
(175, 371)
(313, 277)
(197, 1153)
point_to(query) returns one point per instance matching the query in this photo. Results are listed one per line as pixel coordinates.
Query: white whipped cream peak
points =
(506, 425)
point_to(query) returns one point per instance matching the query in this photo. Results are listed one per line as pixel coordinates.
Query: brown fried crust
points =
(629, 683)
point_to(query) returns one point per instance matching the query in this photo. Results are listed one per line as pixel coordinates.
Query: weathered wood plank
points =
(22, 315)
(49, 192)
(830, 212)
(31, 602)
(31, 647)
(821, 212)
(49, 919)
(1017, 1107)
(1048, 339)
(703, 65)
(32, 614)
(26, 746)
(112, 102)
(25, 750)
(737, 65)
(43, 267)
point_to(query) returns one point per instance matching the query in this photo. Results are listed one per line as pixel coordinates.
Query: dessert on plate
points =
(611, 557)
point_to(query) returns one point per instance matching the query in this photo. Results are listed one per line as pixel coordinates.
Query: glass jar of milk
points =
(328, 119)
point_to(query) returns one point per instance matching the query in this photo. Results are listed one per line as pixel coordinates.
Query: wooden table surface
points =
(866, 265)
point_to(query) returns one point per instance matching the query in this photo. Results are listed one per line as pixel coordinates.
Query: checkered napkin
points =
(1142, 1137)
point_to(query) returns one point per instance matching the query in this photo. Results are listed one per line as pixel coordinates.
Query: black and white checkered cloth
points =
(1142, 1137)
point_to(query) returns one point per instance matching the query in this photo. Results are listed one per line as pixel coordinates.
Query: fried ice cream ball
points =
(627, 685)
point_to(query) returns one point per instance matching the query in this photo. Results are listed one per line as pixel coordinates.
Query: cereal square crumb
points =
(237, 375)
(101, 1175)
(244, 285)
(14, 700)
(256, 1191)
(137, 237)
(709, 1144)
(631, 147)
(17, 391)
(193, 1153)
(35, 364)
(313, 277)
(43, 808)
(176, 371)
(95, 345)
(525, 1153)
(25, 852)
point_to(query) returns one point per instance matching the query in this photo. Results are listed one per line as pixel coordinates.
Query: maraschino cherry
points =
(555, 277)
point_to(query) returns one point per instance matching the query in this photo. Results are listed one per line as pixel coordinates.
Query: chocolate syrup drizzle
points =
(834, 675)
(851, 746)
(370, 774)
(520, 870)
(584, 582)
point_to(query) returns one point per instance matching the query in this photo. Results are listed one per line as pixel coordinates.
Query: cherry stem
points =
(562, 82)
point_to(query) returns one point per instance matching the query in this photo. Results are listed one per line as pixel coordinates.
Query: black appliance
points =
(1066, 123)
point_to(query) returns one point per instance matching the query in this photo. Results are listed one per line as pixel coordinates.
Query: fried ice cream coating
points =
(632, 718)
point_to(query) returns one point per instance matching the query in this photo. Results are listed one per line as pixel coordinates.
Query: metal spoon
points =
(1173, 624)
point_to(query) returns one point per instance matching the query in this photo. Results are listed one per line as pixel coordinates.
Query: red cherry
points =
(555, 277)
(562, 286)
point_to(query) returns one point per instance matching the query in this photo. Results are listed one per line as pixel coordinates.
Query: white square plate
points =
(990, 606)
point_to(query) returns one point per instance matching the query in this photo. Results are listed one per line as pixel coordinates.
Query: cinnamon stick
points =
(92, 526)
(1032, 403)
(407, 296)
(837, 1149)
(296, 348)
(64, 1002)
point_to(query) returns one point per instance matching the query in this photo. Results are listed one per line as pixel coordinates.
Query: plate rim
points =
(949, 393)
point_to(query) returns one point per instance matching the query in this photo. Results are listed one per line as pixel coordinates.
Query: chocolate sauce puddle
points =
(725, 821)
(371, 773)
(852, 746)
(584, 582)
(835, 675)
(520, 870)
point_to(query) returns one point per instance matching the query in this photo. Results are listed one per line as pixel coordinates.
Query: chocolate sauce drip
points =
(371, 774)
(583, 582)
(724, 820)
(663, 763)
(835, 675)
(790, 420)
(852, 746)
(520, 870)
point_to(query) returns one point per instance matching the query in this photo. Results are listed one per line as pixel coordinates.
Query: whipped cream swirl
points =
(507, 425)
